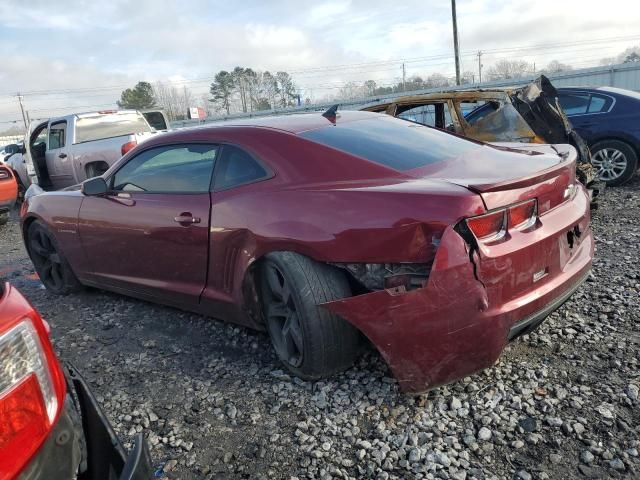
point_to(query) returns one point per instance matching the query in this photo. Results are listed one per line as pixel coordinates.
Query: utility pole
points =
(24, 118)
(404, 75)
(479, 66)
(455, 40)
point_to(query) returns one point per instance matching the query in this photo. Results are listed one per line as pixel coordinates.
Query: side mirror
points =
(11, 149)
(94, 186)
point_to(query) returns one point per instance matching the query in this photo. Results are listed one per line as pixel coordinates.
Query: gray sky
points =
(87, 52)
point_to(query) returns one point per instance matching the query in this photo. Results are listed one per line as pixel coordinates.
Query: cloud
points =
(329, 12)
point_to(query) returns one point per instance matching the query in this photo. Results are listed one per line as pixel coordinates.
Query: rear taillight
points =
(128, 146)
(489, 227)
(495, 225)
(523, 215)
(5, 174)
(31, 384)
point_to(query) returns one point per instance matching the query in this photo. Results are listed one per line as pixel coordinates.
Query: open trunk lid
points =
(503, 176)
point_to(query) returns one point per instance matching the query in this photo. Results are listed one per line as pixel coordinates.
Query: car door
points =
(586, 111)
(149, 235)
(57, 158)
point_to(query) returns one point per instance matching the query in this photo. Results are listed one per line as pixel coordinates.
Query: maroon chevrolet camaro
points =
(326, 230)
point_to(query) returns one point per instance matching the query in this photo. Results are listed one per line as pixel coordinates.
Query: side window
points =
(169, 169)
(574, 104)
(424, 114)
(597, 104)
(432, 115)
(57, 135)
(473, 112)
(237, 167)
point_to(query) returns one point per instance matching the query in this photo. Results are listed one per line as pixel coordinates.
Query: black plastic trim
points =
(531, 322)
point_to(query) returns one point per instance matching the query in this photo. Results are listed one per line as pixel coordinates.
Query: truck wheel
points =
(4, 218)
(53, 269)
(310, 341)
(96, 169)
(615, 160)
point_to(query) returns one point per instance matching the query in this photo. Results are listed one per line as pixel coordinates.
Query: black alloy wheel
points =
(309, 340)
(52, 267)
(282, 317)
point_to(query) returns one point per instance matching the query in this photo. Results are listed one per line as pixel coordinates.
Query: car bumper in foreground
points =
(475, 302)
(83, 441)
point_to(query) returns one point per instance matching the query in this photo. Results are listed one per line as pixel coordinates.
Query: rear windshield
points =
(109, 125)
(156, 120)
(394, 143)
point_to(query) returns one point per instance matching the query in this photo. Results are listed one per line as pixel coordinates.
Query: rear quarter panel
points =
(361, 225)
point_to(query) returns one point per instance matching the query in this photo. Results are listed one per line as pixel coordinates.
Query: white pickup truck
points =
(65, 151)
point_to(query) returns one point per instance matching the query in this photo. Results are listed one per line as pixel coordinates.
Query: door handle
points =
(186, 218)
(62, 155)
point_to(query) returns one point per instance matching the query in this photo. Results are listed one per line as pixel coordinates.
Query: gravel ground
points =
(561, 403)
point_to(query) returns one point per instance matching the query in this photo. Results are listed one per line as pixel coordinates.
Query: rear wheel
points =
(615, 160)
(310, 341)
(96, 169)
(4, 218)
(53, 269)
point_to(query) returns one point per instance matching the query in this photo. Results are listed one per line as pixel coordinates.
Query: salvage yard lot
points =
(561, 403)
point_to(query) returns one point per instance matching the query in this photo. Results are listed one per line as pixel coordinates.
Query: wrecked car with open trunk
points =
(512, 116)
(326, 229)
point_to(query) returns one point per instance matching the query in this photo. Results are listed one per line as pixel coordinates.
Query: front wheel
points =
(53, 269)
(615, 160)
(310, 341)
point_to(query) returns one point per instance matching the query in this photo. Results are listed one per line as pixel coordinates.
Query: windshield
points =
(391, 142)
(110, 125)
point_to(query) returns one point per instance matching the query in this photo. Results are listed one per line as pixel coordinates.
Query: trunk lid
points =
(506, 175)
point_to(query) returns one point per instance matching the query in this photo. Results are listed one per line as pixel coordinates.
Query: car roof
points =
(605, 89)
(294, 123)
(469, 95)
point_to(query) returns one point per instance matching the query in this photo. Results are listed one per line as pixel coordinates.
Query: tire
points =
(310, 341)
(53, 268)
(4, 218)
(615, 160)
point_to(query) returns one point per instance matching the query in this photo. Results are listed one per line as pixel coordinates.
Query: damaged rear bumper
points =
(472, 306)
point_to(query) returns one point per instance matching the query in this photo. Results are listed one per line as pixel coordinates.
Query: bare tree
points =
(630, 55)
(554, 66)
(269, 88)
(468, 77)
(351, 90)
(507, 69)
(436, 80)
(287, 89)
(174, 101)
(370, 86)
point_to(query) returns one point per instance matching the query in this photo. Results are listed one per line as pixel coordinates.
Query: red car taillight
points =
(32, 386)
(493, 226)
(5, 173)
(523, 215)
(128, 146)
(489, 227)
